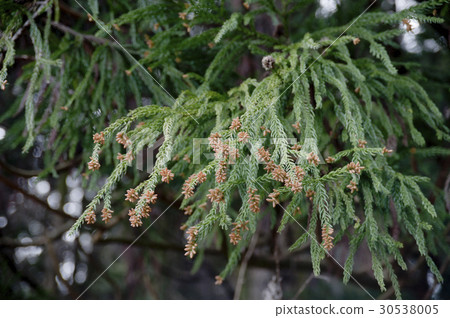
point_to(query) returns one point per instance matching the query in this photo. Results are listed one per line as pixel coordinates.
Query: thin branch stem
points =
(88, 37)
(244, 264)
(306, 283)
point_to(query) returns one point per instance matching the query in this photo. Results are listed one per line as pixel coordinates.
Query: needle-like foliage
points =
(314, 137)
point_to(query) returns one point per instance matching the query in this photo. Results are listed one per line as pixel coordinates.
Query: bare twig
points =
(33, 173)
(303, 286)
(27, 23)
(37, 241)
(244, 264)
(35, 199)
(306, 283)
(447, 193)
(87, 37)
(58, 212)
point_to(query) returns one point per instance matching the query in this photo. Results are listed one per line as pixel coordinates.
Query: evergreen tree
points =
(312, 131)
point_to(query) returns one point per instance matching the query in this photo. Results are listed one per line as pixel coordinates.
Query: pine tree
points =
(314, 135)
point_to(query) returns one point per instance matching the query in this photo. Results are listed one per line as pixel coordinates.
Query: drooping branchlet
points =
(235, 235)
(188, 187)
(129, 157)
(327, 239)
(99, 138)
(313, 158)
(385, 151)
(253, 200)
(90, 216)
(93, 164)
(352, 186)
(131, 195)
(270, 166)
(188, 210)
(362, 143)
(221, 172)
(166, 175)
(106, 215)
(355, 168)
(235, 124)
(243, 136)
(296, 147)
(145, 212)
(122, 139)
(215, 195)
(263, 155)
(265, 130)
(273, 197)
(279, 174)
(201, 177)
(297, 127)
(150, 196)
(191, 244)
(310, 194)
(135, 219)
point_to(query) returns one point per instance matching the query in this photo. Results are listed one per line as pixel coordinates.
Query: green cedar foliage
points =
(338, 101)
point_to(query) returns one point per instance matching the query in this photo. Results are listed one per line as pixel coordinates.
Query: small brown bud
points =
(268, 62)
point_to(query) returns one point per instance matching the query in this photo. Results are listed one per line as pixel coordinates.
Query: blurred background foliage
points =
(43, 190)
